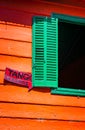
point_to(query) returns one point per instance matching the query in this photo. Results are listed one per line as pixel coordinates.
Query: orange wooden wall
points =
(37, 109)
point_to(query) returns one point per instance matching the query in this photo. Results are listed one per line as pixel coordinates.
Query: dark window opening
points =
(71, 40)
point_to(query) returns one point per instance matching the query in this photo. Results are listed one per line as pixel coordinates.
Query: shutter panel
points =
(45, 52)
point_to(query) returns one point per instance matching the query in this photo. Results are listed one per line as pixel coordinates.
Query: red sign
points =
(22, 78)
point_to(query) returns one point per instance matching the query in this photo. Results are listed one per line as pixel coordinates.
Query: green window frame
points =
(45, 53)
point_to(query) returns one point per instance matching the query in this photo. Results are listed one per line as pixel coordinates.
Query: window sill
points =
(68, 91)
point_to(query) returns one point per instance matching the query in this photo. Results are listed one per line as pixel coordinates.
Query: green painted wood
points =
(68, 91)
(45, 52)
(69, 19)
(63, 44)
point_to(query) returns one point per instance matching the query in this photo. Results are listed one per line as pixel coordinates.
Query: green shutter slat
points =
(45, 52)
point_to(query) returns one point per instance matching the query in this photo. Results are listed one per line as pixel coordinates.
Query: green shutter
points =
(45, 52)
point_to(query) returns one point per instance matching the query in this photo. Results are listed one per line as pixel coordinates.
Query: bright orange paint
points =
(15, 32)
(15, 93)
(16, 48)
(1, 77)
(42, 111)
(17, 63)
(28, 124)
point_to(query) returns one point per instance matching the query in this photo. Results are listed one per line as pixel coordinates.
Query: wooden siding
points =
(28, 124)
(23, 13)
(37, 109)
(69, 2)
(15, 48)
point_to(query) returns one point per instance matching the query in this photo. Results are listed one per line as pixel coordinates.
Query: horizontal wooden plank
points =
(10, 93)
(70, 2)
(17, 48)
(15, 16)
(2, 77)
(42, 7)
(28, 124)
(18, 63)
(46, 8)
(41, 111)
(15, 32)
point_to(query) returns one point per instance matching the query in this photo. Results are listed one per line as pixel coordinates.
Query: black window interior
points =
(71, 42)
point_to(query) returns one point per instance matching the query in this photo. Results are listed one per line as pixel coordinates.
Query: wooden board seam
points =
(15, 40)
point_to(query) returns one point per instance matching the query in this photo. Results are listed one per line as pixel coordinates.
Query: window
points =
(54, 48)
